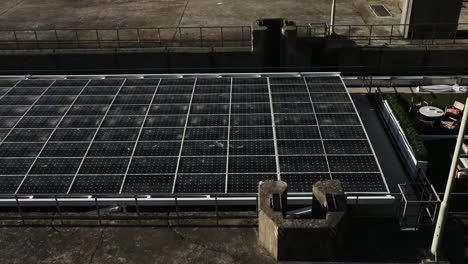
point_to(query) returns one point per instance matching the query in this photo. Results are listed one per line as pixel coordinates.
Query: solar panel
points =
(200, 134)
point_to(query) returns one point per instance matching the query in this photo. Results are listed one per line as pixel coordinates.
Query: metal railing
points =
(214, 36)
(392, 34)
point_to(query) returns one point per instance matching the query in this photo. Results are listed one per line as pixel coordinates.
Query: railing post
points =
(118, 39)
(20, 212)
(137, 208)
(16, 39)
(37, 42)
(370, 35)
(56, 38)
(201, 37)
(177, 208)
(97, 210)
(138, 36)
(216, 208)
(58, 209)
(97, 38)
(222, 37)
(159, 36)
(77, 38)
(433, 32)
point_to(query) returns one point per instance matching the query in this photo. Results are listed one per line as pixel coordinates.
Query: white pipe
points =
(441, 219)
(332, 18)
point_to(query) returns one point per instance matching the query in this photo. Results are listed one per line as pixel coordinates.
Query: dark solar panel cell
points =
(297, 147)
(326, 88)
(100, 90)
(214, 81)
(56, 166)
(352, 164)
(250, 108)
(210, 89)
(165, 121)
(88, 110)
(202, 165)
(293, 108)
(208, 133)
(204, 148)
(251, 120)
(97, 184)
(338, 119)
(15, 166)
(303, 164)
(162, 133)
(8, 122)
(29, 135)
(347, 147)
(295, 120)
(178, 81)
(242, 133)
(251, 148)
(148, 183)
(123, 121)
(73, 134)
(18, 100)
(142, 82)
(323, 79)
(334, 108)
(128, 110)
(64, 149)
(20, 149)
(104, 166)
(9, 184)
(303, 182)
(286, 80)
(153, 165)
(3, 133)
(64, 91)
(209, 109)
(310, 132)
(27, 91)
(45, 184)
(208, 120)
(4, 90)
(281, 88)
(175, 89)
(56, 100)
(111, 149)
(158, 148)
(35, 83)
(291, 98)
(210, 98)
(169, 109)
(8, 83)
(244, 80)
(99, 99)
(361, 182)
(106, 82)
(342, 132)
(172, 99)
(247, 183)
(252, 164)
(138, 90)
(213, 183)
(80, 122)
(70, 83)
(133, 99)
(242, 89)
(39, 110)
(119, 134)
(250, 98)
(38, 122)
(330, 97)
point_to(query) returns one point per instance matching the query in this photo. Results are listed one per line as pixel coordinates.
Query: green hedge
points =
(406, 124)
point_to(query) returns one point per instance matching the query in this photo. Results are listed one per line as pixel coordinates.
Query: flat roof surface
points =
(181, 134)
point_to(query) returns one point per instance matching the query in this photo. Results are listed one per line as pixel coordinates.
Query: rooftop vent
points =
(380, 11)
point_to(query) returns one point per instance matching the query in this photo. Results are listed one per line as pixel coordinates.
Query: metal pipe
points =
(441, 219)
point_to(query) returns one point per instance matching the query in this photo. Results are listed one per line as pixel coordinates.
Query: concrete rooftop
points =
(46, 14)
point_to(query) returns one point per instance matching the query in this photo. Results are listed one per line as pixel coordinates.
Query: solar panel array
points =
(181, 135)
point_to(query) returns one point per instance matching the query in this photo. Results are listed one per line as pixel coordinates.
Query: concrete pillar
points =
(427, 19)
(288, 47)
(314, 238)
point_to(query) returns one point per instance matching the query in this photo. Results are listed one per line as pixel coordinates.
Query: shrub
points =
(417, 144)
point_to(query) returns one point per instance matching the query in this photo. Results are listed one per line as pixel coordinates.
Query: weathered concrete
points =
(303, 239)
